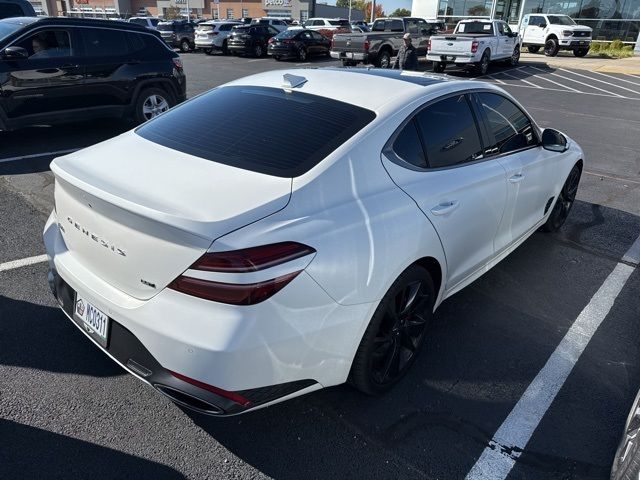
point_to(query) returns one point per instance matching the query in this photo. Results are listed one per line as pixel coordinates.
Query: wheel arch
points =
(162, 83)
(431, 265)
(551, 36)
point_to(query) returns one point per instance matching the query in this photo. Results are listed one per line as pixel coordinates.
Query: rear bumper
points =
(288, 51)
(356, 56)
(451, 58)
(299, 339)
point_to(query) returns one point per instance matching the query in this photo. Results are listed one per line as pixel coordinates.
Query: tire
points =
(533, 48)
(277, 57)
(384, 59)
(185, 46)
(564, 202)
(225, 48)
(302, 54)
(581, 52)
(396, 332)
(551, 47)
(483, 66)
(626, 463)
(150, 103)
(208, 51)
(348, 63)
(258, 51)
(439, 67)
(515, 57)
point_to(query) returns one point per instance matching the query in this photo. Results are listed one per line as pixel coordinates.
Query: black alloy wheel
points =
(626, 463)
(395, 334)
(551, 47)
(257, 50)
(384, 59)
(563, 205)
(302, 54)
(208, 51)
(581, 52)
(439, 67)
(515, 56)
(533, 48)
(185, 46)
(483, 66)
(225, 48)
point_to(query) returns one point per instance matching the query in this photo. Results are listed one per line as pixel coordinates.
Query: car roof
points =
(70, 21)
(383, 86)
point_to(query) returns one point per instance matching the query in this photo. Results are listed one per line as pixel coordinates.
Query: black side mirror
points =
(543, 25)
(15, 53)
(554, 141)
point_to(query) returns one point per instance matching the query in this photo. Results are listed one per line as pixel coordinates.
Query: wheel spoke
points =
(409, 296)
(407, 342)
(393, 361)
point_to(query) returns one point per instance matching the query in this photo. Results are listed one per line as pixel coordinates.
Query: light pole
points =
(373, 9)
(349, 11)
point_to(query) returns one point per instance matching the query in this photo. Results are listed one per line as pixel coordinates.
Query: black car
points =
(16, 8)
(250, 39)
(299, 44)
(55, 70)
(178, 34)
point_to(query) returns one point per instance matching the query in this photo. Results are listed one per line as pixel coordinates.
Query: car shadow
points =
(29, 452)
(42, 337)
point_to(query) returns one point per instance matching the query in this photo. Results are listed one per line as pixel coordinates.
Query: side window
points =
(316, 36)
(138, 21)
(511, 128)
(507, 30)
(535, 21)
(307, 36)
(136, 42)
(501, 28)
(102, 42)
(47, 44)
(225, 28)
(412, 26)
(272, 31)
(379, 26)
(449, 132)
(408, 147)
(397, 26)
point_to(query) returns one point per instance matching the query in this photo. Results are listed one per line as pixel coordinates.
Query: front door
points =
(461, 194)
(48, 81)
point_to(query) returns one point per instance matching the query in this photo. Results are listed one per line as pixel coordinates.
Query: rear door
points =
(50, 80)
(462, 194)
(513, 142)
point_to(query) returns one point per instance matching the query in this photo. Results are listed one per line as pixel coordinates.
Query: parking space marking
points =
(601, 81)
(494, 78)
(521, 79)
(618, 78)
(22, 263)
(547, 80)
(626, 180)
(586, 84)
(36, 155)
(508, 443)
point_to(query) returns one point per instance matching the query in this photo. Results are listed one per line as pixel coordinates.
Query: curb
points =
(628, 66)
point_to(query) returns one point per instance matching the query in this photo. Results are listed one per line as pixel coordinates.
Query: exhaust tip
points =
(189, 401)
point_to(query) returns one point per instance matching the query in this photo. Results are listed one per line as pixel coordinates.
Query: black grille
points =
(582, 34)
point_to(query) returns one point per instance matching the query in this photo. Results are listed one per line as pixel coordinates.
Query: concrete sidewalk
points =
(629, 65)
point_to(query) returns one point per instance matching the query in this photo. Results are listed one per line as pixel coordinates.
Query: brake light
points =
(367, 44)
(177, 63)
(210, 388)
(271, 40)
(429, 45)
(474, 46)
(288, 42)
(333, 43)
(242, 261)
(252, 259)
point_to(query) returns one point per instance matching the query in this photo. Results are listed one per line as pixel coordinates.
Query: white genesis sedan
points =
(296, 229)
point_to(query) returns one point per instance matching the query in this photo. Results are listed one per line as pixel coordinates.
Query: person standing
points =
(407, 59)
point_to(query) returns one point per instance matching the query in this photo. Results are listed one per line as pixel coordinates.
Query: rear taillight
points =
(271, 40)
(242, 261)
(429, 45)
(333, 43)
(210, 388)
(367, 44)
(474, 46)
(177, 63)
(288, 42)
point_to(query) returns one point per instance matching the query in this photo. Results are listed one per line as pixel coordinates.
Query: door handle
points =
(445, 207)
(517, 178)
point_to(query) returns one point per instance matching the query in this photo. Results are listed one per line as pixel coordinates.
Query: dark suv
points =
(16, 8)
(178, 34)
(55, 70)
(251, 39)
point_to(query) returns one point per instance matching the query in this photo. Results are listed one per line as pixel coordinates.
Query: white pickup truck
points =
(554, 33)
(475, 43)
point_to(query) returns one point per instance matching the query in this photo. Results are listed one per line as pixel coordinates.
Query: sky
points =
(389, 5)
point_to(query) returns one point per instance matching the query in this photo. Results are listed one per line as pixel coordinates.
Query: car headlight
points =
(567, 33)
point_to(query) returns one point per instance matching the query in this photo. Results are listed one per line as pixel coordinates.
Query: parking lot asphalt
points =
(67, 411)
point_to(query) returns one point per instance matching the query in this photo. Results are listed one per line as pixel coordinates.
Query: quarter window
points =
(449, 132)
(511, 129)
(408, 147)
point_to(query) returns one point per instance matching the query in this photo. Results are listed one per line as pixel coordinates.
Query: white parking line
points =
(36, 155)
(494, 78)
(521, 79)
(512, 437)
(22, 263)
(567, 91)
(601, 81)
(587, 85)
(618, 78)
(547, 80)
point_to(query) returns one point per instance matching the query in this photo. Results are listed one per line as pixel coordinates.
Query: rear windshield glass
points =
(288, 34)
(475, 28)
(241, 29)
(265, 130)
(165, 27)
(336, 23)
(206, 28)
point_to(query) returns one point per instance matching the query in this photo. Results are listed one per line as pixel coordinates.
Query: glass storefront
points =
(610, 19)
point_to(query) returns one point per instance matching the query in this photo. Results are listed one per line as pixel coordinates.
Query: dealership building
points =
(610, 19)
(216, 9)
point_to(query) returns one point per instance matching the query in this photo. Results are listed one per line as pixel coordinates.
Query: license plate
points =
(93, 320)
(451, 57)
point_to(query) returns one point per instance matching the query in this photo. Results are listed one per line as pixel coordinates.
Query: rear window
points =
(287, 34)
(476, 28)
(264, 130)
(336, 23)
(165, 27)
(11, 10)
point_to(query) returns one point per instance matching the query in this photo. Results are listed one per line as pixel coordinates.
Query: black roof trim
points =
(425, 79)
(90, 22)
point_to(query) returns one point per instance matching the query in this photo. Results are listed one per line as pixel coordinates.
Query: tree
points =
(400, 12)
(172, 13)
(379, 11)
(343, 3)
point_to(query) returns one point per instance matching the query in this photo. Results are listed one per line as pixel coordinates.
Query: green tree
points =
(172, 13)
(400, 12)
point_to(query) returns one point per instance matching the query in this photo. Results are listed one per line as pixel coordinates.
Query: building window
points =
(304, 15)
(245, 12)
(215, 13)
(230, 14)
